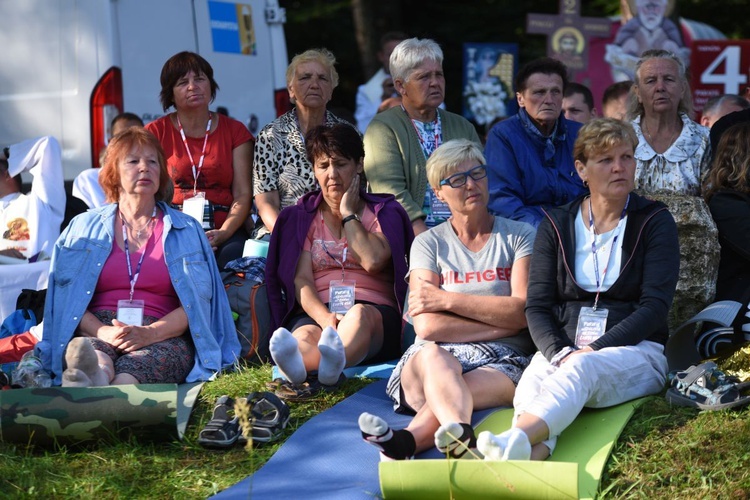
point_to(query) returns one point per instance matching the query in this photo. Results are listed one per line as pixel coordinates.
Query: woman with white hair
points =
(671, 146)
(399, 141)
(468, 280)
(281, 171)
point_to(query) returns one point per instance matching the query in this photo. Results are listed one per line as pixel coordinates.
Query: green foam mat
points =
(573, 471)
(72, 415)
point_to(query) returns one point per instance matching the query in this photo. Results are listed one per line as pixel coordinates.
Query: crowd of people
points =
(407, 220)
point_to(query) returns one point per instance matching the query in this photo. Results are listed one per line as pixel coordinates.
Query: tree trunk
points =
(367, 38)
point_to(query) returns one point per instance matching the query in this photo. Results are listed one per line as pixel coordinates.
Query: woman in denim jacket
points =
(134, 293)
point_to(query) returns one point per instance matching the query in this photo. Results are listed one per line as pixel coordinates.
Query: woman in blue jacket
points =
(134, 291)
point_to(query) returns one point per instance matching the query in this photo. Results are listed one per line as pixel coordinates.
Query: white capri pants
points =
(597, 379)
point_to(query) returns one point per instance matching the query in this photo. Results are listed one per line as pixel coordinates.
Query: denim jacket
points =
(77, 261)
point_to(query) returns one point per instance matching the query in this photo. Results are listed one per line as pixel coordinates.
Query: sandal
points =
(270, 416)
(707, 388)
(305, 391)
(221, 431)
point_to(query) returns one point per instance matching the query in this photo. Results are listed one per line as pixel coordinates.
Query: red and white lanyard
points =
(426, 149)
(196, 171)
(599, 283)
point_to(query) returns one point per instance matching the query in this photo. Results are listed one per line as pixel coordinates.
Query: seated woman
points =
(602, 278)
(468, 280)
(162, 315)
(727, 192)
(339, 258)
(209, 154)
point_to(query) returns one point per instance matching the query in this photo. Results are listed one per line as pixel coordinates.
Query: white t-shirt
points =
(585, 271)
(31, 222)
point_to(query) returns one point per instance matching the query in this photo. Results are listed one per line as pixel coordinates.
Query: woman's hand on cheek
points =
(350, 200)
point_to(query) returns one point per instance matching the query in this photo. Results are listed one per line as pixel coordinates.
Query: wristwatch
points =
(350, 217)
(6, 153)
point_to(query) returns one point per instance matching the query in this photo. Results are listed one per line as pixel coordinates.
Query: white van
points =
(69, 66)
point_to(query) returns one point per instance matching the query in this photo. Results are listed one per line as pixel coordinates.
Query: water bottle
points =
(30, 373)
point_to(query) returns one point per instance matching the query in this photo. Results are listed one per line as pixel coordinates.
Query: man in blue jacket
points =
(530, 155)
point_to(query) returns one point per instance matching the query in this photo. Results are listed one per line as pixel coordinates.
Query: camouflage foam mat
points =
(72, 415)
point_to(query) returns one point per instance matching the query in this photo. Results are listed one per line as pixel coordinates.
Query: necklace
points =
(139, 231)
(651, 138)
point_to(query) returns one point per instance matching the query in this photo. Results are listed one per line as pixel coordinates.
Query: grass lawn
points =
(664, 452)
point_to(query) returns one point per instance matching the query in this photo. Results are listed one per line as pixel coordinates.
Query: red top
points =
(216, 176)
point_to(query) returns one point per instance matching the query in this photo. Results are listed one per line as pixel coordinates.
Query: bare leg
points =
(361, 332)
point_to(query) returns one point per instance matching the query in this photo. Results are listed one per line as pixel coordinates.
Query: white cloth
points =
(31, 222)
(369, 97)
(86, 187)
(597, 379)
(609, 268)
(680, 168)
(16, 277)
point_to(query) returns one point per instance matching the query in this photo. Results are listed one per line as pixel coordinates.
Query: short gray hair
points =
(446, 158)
(412, 53)
(685, 105)
(713, 104)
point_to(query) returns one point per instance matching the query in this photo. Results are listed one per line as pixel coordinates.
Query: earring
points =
(585, 184)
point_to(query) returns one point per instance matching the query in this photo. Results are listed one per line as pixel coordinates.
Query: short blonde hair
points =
(600, 135)
(324, 57)
(446, 159)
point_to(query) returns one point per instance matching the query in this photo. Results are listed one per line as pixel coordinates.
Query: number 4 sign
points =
(718, 67)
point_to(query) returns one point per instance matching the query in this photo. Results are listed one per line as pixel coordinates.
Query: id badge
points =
(439, 209)
(195, 206)
(130, 312)
(341, 296)
(591, 325)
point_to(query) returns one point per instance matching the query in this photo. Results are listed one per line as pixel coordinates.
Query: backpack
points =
(249, 303)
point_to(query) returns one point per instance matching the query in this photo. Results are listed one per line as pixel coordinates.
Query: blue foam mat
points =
(326, 457)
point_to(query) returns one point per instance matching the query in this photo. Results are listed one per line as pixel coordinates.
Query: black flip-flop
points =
(221, 432)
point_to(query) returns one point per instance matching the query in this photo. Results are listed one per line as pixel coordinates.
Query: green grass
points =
(664, 452)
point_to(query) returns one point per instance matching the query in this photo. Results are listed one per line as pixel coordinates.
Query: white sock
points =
(512, 444)
(456, 440)
(285, 353)
(332, 356)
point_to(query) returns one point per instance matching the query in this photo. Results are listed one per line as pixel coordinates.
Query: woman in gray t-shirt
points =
(468, 280)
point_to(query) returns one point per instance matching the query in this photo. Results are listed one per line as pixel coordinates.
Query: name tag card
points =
(341, 296)
(591, 325)
(130, 312)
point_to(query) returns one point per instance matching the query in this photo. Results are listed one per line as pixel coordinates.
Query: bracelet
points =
(350, 217)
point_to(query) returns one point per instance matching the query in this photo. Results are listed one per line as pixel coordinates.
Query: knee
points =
(360, 314)
(433, 355)
(307, 335)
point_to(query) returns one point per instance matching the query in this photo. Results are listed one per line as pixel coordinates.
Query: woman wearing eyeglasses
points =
(467, 280)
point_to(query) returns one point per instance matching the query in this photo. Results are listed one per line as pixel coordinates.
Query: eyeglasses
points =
(459, 179)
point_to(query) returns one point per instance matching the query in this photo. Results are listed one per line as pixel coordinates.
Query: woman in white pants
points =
(602, 279)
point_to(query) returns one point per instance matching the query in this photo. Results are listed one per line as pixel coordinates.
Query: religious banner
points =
(718, 67)
(488, 81)
(650, 27)
(568, 33)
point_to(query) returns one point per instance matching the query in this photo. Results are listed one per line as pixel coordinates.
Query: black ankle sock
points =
(465, 442)
(398, 445)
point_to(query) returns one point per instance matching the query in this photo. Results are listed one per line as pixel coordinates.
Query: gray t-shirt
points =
(486, 272)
